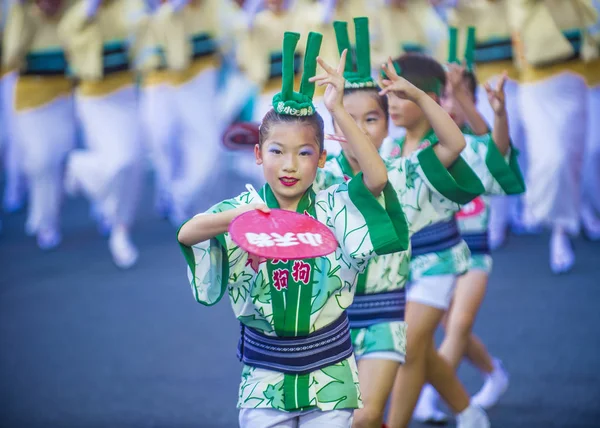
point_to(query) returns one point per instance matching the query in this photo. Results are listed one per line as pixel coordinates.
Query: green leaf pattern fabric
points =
(219, 263)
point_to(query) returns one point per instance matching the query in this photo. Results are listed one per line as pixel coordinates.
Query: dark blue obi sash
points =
(48, 63)
(203, 45)
(439, 236)
(413, 48)
(477, 242)
(276, 61)
(493, 50)
(296, 355)
(369, 309)
(115, 58)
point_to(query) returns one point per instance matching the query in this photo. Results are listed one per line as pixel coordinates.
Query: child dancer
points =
(459, 101)
(494, 56)
(273, 302)
(377, 314)
(439, 254)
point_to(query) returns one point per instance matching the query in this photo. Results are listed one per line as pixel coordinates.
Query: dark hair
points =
(273, 118)
(422, 71)
(374, 93)
(472, 83)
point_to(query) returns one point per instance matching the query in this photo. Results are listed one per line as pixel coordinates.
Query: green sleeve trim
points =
(188, 253)
(458, 183)
(381, 221)
(508, 175)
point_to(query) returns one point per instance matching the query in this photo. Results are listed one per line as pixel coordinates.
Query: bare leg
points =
(423, 321)
(376, 379)
(478, 355)
(468, 296)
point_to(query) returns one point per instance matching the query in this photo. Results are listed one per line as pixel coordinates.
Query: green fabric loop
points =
(363, 50)
(313, 47)
(452, 44)
(343, 42)
(470, 49)
(361, 77)
(290, 40)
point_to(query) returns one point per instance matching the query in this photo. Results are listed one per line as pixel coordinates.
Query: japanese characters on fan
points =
(303, 299)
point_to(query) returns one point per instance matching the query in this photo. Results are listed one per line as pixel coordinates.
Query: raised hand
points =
(454, 76)
(397, 85)
(496, 96)
(334, 79)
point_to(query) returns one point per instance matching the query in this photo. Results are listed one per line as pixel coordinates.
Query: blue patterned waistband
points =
(296, 355)
(369, 309)
(439, 236)
(477, 242)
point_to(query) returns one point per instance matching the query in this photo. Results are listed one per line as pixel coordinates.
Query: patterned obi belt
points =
(203, 45)
(115, 58)
(297, 355)
(369, 309)
(437, 237)
(497, 49)
(477, 242)
(47, 63)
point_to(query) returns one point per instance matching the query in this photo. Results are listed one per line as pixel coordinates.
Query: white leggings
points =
(271, 418)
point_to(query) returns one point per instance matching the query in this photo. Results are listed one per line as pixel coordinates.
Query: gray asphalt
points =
(83, 344)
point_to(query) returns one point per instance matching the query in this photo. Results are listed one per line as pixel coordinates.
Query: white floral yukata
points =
(312, 294)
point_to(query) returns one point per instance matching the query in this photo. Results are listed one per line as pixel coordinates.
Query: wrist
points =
(501, 114)
(418, 96)
(337, 110)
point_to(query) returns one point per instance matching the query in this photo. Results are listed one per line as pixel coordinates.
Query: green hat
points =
(300, 103)
(361, 78)
(469, 55)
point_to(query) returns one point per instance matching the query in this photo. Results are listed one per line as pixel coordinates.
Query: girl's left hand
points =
(334, 79)
(496, 97)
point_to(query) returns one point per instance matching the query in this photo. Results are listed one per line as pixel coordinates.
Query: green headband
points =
(300, 103)
(469, 56)
(432, 85)
(361, 78)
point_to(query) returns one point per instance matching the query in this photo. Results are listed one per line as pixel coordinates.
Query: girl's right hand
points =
(249, 207)
(397, 85)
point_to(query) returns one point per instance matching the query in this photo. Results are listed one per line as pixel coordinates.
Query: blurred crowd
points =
(94, 90)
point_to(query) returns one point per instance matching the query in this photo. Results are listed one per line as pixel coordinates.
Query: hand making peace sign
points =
(334, 79)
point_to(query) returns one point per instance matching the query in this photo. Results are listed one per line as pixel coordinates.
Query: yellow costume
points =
(42, 99)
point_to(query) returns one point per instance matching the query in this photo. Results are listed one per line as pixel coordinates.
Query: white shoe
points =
(472, 417)
(123, 252)
(426, 410)
(13, 201)
(562, 257)
(48, 239)
(495, 385)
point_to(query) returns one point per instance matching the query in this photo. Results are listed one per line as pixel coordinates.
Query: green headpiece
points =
(300, 103)
(469, 56)
(361, 78)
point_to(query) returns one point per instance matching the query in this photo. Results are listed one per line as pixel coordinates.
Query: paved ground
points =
(83, 344)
